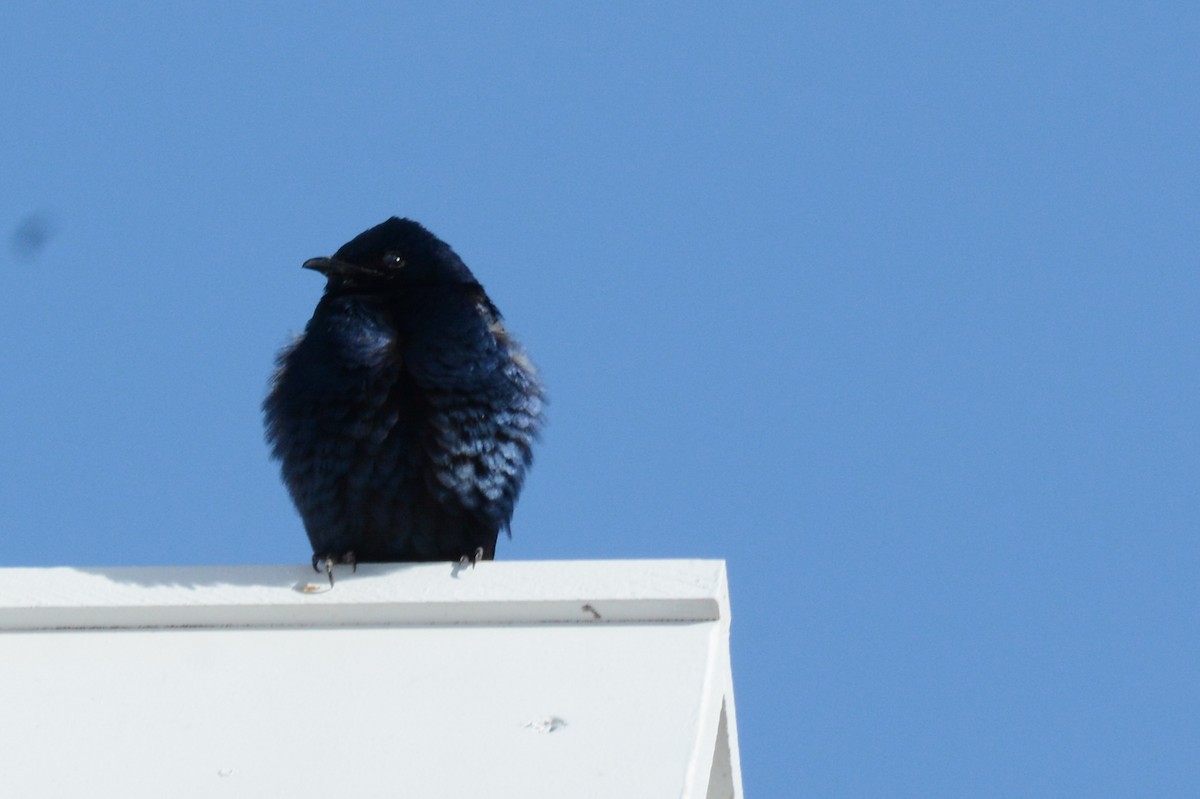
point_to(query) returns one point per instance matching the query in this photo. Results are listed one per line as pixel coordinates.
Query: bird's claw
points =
(465, 561)
(330, 560)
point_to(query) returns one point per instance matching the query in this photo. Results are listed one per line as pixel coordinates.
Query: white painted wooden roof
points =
(512, 679)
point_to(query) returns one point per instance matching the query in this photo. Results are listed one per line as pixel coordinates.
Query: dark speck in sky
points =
(32, 235)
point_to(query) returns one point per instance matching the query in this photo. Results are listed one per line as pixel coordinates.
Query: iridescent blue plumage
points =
(405, 415)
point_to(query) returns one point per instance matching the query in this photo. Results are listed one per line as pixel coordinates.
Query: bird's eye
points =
(393, 259)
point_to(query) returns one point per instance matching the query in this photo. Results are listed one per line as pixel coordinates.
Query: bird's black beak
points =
(333, 268)
(326, 266)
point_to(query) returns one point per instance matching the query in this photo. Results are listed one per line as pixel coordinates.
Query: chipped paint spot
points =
(546, 724)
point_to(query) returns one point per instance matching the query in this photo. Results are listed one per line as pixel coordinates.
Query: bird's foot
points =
(328, 561)
(465, 561)
(468, 560)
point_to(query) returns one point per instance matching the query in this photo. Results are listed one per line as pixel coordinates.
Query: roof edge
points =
(505, 592)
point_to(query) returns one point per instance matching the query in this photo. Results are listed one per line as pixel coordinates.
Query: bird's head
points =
(390, 256)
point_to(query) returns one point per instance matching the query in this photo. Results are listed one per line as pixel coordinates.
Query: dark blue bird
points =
(405, 415)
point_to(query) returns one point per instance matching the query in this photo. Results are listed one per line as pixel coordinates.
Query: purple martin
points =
(404, 416)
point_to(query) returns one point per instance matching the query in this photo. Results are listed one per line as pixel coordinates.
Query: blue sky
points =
(892, 306)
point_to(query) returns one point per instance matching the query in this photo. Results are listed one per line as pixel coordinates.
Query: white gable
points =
(512, 679)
